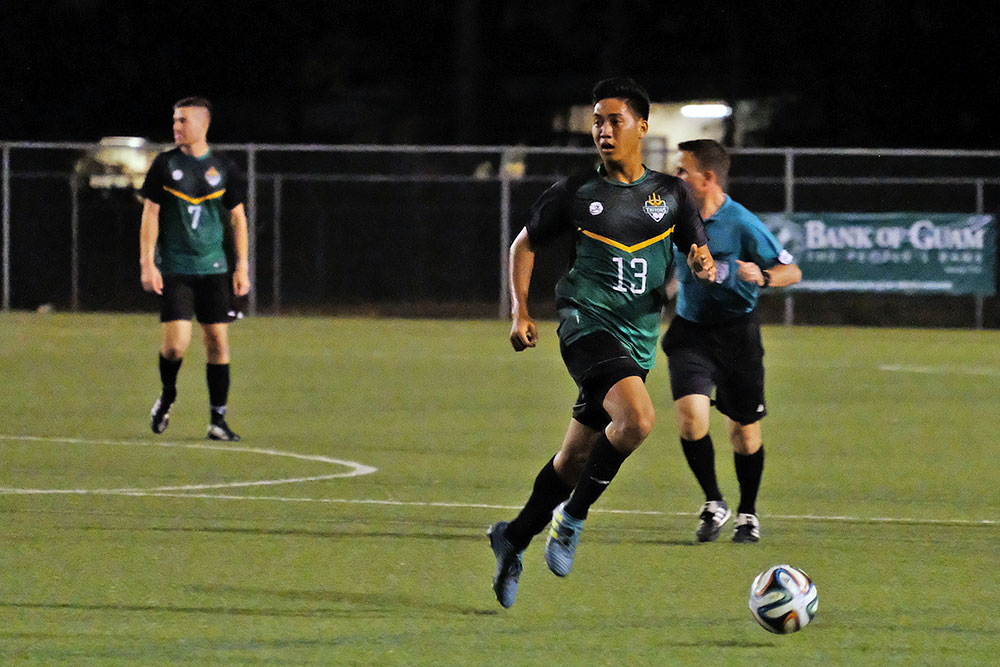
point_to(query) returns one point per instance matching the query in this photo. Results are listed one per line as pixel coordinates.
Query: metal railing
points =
(270, 173)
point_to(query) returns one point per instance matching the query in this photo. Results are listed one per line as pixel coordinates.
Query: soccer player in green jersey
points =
(190, 193)
(714, 342)
(626, 220)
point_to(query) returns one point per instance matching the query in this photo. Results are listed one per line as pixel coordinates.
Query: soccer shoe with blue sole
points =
(160, 416)
(560, 547)
(747, 529)
(509, 564)
(714, 515)
(221, 431)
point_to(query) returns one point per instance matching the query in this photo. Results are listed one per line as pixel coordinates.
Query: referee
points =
(189, 191)
(714, 340)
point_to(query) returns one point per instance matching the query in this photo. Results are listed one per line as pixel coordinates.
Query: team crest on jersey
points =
(655, 208)
(177, 174)
(596, 208)
(213, 176)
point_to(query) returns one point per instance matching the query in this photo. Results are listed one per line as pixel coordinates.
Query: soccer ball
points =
(783, 599)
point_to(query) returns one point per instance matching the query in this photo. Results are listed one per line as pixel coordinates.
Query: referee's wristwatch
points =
(767, 278)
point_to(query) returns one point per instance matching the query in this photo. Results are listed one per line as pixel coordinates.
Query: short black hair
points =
(195, 102)
(624, 88)
(711, 156)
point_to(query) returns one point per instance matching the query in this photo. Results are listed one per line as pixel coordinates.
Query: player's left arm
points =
(689, 235)
(771, 265)
(241, 273)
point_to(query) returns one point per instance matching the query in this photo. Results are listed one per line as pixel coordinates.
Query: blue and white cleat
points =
(509, 564)
(560, 547)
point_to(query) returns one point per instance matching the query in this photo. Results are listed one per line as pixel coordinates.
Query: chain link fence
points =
(424, 230)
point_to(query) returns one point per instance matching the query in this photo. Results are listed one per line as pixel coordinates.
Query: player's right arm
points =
(523, 333)
(152, 280)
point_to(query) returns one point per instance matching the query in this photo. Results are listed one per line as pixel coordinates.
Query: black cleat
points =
(221, 431)
(160, 416)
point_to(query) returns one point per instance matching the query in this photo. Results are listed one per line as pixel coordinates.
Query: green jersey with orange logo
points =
(195, 196)
(625, 239)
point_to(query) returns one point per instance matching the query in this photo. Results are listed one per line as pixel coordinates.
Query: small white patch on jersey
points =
(596, 208)
(721, 272)
(177, 174)
(785, 257)
(760, 408)
(216, 265)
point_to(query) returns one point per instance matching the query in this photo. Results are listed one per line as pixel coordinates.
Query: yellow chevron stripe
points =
(194, 200)
(628, 248)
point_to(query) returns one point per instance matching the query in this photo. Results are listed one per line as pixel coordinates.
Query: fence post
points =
(504, 242)
(252, 227)
(789, 208)
(74, 230)
(276, 251)
(6, 228)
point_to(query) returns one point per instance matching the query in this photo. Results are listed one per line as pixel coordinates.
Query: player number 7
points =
(195, 212)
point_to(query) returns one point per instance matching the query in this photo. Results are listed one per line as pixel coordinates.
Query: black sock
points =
(218, 389)
(700, 456)
(549, 491)
(601, 468)
(168, 377)
(749, 470)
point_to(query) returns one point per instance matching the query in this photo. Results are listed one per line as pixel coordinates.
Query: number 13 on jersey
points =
(638, 283)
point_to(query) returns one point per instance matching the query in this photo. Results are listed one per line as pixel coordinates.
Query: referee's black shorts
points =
(727, 357)
(597, 362)
(208, 297)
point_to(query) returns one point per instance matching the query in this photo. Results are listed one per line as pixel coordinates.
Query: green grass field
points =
(880, 482)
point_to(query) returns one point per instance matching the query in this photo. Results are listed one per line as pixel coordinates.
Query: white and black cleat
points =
(714, 515)
(221, 431)
(159, 416)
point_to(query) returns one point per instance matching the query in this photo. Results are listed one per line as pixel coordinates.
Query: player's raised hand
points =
(700, 262)
(523, 333)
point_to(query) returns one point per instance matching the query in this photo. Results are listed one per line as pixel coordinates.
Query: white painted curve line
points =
(355, 469)
(939, 370)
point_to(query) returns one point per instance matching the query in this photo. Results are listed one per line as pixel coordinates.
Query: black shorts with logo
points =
(727, 357)
(210, 298)
(597, 362)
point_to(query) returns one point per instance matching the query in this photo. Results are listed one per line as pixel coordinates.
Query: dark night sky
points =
(848, 73)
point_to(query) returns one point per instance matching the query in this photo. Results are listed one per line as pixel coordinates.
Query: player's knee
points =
(746, 440)
(631, 431)
(172, 352)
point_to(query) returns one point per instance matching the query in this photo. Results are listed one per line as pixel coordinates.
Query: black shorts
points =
(210, 298)
(597, 362)
(727, 357)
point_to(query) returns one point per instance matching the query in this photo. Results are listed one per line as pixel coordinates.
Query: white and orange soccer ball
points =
(783, 599)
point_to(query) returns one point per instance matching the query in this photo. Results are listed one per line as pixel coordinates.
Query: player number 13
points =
(639, 268)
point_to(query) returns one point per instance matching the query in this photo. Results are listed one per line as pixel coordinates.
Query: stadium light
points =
(710, 110)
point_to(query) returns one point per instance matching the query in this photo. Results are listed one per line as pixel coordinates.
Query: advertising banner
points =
(890, 252)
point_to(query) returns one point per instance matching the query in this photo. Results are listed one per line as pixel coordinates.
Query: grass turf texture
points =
(394, 568)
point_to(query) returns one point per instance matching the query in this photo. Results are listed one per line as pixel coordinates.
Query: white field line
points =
(354, 469)
(183, 492)
(939, 370)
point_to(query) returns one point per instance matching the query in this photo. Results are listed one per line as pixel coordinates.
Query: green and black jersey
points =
(625, 234)
(195, 197)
